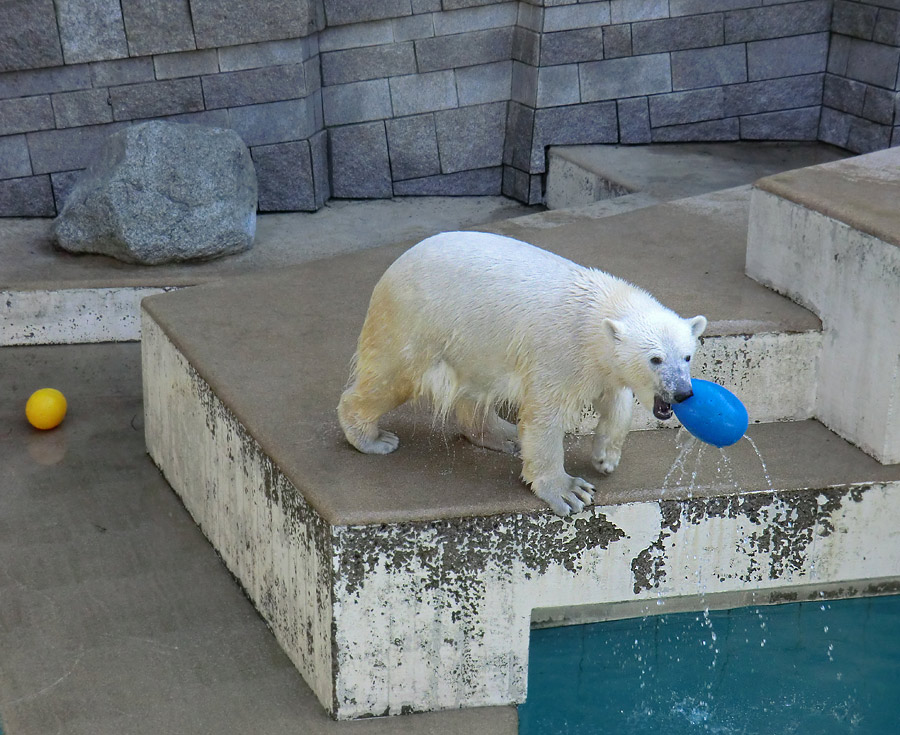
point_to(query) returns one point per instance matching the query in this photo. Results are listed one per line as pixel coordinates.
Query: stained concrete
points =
(666, 171)
(117, 616)
(425, 601)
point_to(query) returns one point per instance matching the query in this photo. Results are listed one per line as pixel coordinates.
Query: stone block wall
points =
(662, 71)
(74, 71)
(380, 98)
(861, 97)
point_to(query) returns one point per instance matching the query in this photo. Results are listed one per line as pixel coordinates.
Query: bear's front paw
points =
(565, 495)
(385, 443)
(606, 460)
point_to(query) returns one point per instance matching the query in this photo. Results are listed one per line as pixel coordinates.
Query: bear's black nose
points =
(683, 396)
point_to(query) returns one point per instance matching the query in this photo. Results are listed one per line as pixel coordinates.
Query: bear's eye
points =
(656, 360)
(687, 358)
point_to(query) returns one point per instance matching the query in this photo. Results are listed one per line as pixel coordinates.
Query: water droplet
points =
(761, 461)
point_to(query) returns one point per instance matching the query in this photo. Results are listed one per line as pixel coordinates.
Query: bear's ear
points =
(615, 330)
(698, 324)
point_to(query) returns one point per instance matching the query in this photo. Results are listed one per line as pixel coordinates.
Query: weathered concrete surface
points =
(828, 237)
(407, 582)
(579, 175)
(48, 296)
(434, 557)
(117, 615)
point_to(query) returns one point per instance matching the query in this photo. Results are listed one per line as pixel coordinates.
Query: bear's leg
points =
(541, 437)
(485, 428)
(363, 403)
(615, 409)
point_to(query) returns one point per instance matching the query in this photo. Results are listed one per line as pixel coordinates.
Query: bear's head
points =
(653, 352)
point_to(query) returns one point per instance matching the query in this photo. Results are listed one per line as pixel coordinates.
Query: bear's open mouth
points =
(661, 409)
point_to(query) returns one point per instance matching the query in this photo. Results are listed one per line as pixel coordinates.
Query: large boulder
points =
(163, 192)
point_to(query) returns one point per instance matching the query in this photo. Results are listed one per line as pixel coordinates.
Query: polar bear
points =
(474, 322)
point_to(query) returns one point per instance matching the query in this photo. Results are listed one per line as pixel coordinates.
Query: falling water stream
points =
(822, 667)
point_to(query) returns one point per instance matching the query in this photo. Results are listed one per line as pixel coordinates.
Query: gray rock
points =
(161, 192)
(471, 137)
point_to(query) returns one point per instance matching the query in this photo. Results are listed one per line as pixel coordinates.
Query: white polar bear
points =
(475, 321)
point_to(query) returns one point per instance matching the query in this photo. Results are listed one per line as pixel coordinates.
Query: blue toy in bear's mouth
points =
(713, 414)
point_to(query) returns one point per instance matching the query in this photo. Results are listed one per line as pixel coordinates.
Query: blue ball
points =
(713, 414)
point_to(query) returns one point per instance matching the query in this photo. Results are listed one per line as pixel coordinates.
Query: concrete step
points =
(829, 237)
(409, 582)
(578, 176)
(51, 297)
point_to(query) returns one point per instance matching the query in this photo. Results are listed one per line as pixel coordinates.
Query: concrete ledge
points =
(579, 175)
(828, 237)
(407, 582)
(417, 593)
(861, 192)
(72, 316)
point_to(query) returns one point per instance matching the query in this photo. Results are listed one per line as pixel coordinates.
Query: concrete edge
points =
(72, 316)
(552, 617)
(826, 207)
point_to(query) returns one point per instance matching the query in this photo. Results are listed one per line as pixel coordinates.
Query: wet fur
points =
(471, 322)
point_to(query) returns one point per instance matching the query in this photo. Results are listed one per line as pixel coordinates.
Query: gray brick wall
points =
(861, 90)
(401, 97)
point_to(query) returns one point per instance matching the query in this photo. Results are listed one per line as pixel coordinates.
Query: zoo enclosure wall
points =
(381, 98)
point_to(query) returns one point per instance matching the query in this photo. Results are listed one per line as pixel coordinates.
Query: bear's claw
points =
(574, 495)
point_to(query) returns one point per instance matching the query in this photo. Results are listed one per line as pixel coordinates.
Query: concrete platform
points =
(828, 237)
(52, 297)
(408, 582)
(577, 176)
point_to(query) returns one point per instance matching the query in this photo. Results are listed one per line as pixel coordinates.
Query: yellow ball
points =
(46, 408)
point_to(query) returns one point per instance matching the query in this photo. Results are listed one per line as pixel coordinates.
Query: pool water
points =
(811, 668)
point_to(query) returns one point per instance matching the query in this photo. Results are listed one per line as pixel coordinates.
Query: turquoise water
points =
(812, 668)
